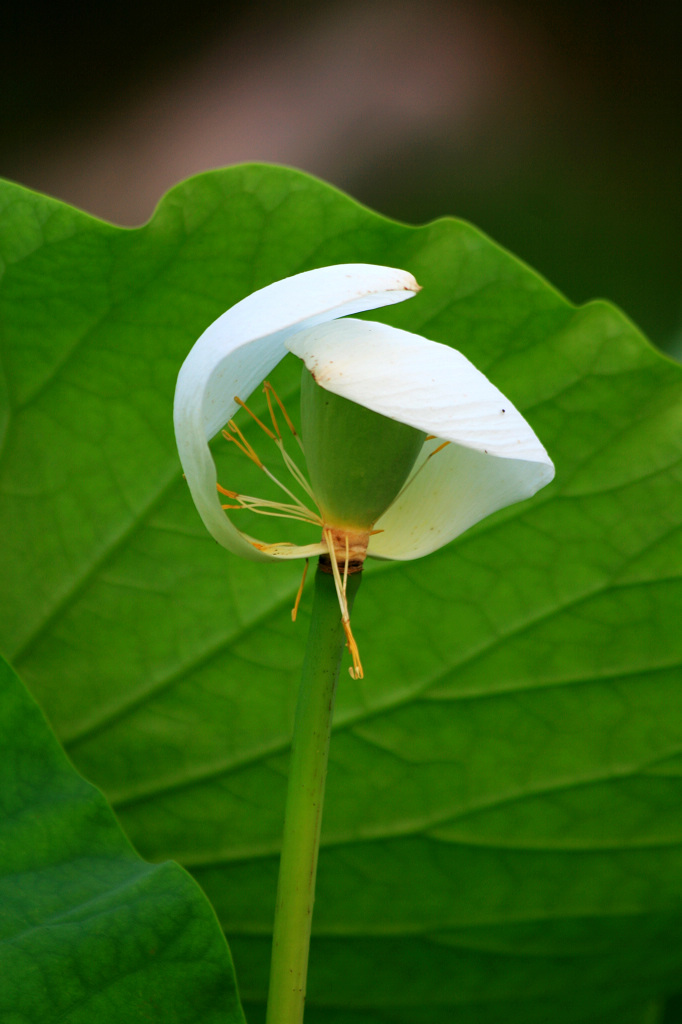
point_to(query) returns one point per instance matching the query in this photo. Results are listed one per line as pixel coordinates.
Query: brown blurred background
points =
(555, 127)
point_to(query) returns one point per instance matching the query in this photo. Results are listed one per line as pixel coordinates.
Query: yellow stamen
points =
(271, 508)
(242, 444)
(345, 567)
(228, 494)
(284, 488)
(248, 450)
(265, 512)
(297, 473)
(228, 437)
(294, 610)
(250, 453)
(253, 416)
(355, 670)
(268, 389)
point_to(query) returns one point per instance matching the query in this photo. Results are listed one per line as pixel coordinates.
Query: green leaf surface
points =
(502, 837)
(88, 930)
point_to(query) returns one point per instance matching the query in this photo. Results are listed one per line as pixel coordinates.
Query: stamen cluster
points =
(337, 542)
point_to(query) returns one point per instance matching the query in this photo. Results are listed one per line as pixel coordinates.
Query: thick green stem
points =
(305, 796)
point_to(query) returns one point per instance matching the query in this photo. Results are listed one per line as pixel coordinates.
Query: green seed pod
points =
(358, 460)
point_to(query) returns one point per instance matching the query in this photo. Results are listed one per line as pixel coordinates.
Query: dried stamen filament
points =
(269, 390)
(274, 508)
(249, 451)
(294, 610)
(235, 435)
(355, 671)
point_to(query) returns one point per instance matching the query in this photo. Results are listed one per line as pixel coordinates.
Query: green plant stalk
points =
(305, 797)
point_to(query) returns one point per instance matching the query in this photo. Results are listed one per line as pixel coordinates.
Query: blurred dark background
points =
(555, 127)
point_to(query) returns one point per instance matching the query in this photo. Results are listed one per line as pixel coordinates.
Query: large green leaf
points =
(502, 836)
(88, 930)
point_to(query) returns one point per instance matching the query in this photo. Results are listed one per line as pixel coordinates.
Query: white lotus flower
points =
(478, 452)
(493, 458)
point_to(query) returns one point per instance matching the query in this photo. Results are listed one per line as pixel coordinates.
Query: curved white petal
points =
(495, 459)
(455, 489)
(240, 348)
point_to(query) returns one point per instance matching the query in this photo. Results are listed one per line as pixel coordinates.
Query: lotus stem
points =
(305, 798)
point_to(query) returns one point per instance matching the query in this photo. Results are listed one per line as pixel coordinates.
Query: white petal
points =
(240, 348)
(495, 458)
(452, 491)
